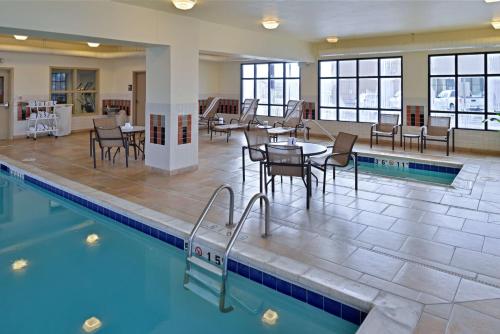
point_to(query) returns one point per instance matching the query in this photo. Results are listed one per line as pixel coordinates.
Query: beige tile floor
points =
(428, 243)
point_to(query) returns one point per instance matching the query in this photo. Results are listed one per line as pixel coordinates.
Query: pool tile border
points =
(416, 165)
(302, 294)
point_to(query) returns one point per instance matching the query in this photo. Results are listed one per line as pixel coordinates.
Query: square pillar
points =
(172, 108)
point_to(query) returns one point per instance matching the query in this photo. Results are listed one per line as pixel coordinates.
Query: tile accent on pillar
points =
(157, 129)
(183, 129)
(415, 115)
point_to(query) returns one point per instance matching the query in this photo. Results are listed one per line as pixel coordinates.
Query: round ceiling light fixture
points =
(184, 4)
(270, 23)
(93, 45)
(332, 39)
(21, 37)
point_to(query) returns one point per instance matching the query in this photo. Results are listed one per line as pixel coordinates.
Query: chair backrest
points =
(121, 118)
(255, 138)
(285, 160)
(249, 110)
(293, 113)
(438, 125)
(108, 134)
(343, 145)
(387, 122)
(212, 107)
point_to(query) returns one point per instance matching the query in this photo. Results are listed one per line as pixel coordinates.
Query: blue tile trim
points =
(419, 166)
(5, 168)
(312, 298)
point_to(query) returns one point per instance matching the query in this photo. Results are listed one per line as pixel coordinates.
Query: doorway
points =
(5, 104)
(139, 98)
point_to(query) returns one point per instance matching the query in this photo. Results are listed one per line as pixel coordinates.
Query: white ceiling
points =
(314, 20)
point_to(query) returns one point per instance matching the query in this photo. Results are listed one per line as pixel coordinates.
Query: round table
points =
(411, 136)
(308, 149)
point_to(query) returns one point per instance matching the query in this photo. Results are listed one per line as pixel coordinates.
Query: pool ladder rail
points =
(209, 280)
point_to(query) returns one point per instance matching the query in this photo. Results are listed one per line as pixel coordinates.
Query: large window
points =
(358, 90)
(75, 86)
(273, 84)
(465, 87)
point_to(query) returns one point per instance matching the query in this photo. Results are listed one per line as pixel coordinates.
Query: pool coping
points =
(385, 312)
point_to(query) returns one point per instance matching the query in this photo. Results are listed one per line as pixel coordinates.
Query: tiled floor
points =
(432, 244)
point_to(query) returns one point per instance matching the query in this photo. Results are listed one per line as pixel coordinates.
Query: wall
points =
(209, 78)
(31, 75)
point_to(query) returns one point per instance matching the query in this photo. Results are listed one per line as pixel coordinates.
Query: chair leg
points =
(371, 139)
(126, 156)
(109, 153)
(93, 151)
(102, 154)
(422, 145)
(447, 147)
(393, 142)
(333, 167)
(243, 163)
(324, 177)
(355, 171)
(272, 184)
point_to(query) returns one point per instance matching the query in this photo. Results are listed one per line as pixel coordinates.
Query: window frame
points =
(456, 76)
(269, 78)
(379, 78)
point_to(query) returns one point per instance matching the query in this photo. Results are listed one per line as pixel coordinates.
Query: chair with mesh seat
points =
(209, 115)
(109, 136)
(437, 129)
(340, 156)
(247, 117)
(292, 121)
(284, 160)
(255, 137)
(386, 127)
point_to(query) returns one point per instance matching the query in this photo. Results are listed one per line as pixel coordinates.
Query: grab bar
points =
(205, 211)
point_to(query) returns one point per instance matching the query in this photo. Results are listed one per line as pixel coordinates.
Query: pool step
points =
(206, 280)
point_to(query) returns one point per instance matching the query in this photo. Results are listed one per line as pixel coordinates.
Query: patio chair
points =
(109, 136)
(255, 139)
(246, 118)
(293, 118)
(340, 156)
(437, 129)
(386, 127)
(210, 114)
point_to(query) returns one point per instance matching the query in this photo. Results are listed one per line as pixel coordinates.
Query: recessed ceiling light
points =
(93, 45)
(495, 24)
(332, 39)
(184, 4)
(270, 23)
(21, 37)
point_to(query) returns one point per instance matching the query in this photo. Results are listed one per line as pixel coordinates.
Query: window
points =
(465, 87)
(75, 86)
(273, 84)
(358, 90)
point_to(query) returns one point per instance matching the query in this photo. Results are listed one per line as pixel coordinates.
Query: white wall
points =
(31, 80)
(209, 80)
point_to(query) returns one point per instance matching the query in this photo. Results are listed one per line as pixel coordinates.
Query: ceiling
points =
(314, 20)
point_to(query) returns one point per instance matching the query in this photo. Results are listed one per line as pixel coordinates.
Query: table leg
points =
(90, 141)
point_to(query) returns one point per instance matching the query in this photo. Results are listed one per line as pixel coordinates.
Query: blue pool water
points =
(398, 168)
(132, 282)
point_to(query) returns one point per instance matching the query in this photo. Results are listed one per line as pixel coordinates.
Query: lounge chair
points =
(340, 156)
(292, 121)
(437, 129)
(283, 160)
(109, 135)
(246, 118)
(209, 116)
(387, 127)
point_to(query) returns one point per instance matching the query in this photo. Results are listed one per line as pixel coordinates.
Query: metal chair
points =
(248, 111)
(340, 156)
(288, 161)
(437, 129)
(386, 127)
(255, 138)
(109, 136)
(210, 113)
(293, 117)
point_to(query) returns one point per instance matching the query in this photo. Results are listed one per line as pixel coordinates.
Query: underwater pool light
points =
(19, 264)
(270, 317)
(92, 239)
(91, 324)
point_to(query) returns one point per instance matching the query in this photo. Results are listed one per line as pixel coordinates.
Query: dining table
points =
(130, 133)
(308, 150)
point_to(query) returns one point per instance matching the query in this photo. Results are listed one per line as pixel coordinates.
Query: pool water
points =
(131, 282)
(407, 170)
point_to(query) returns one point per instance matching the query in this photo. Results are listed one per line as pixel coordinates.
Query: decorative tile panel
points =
(415, 115)
(226, 106)
(309, 110)
(183, 129)
(23, 111)
(157, 129)
(120, 104)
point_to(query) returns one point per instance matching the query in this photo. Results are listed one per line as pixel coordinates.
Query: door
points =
(4, 104)
(140, 98)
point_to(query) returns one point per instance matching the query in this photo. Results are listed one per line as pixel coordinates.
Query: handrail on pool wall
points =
(205, 211)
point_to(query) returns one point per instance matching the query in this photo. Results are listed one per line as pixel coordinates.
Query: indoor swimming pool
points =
(63, 264)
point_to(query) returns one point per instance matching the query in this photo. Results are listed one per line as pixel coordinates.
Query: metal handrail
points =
(239, 226)
(205, 211)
